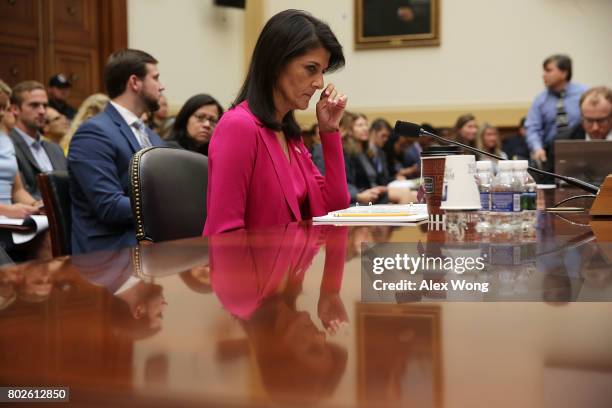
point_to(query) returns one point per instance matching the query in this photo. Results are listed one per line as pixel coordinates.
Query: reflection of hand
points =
(405, 14)
(331, 311)
(330, 109)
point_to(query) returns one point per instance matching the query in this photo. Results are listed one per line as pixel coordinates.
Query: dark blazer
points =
(577, 133)
(98, 164)
(361, 174)
(27, 163)
(516, 147)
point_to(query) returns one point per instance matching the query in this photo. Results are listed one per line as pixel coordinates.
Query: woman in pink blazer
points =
(259, 171)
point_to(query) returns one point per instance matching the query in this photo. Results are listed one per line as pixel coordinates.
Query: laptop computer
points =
(590, 161)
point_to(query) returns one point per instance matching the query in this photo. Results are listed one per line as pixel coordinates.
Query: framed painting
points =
(396, 23)
(399, 354)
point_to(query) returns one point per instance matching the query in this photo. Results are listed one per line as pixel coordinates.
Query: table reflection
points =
(276, 317)
(257, 276)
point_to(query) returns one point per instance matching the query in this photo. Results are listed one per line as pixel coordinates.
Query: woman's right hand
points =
(19, 210)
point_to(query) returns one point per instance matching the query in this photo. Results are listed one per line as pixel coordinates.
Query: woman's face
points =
(202, 122)
(360, 130)
(300, 79)
(490, 138)
(380, 137)
(469, 130)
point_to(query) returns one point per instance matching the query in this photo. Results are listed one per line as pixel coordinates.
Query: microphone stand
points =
(569, 180)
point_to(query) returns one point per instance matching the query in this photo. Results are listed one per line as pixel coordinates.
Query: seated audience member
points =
(59, 92)
(34, 154)
(15, 201)
(515, 146)
(160, 121)
(411, 160)
(100, 153)
(316, 149)
(90, 107)
(7, 119)
(380, 132)
(364, 182)
(195, 123)
(394, 149)
(596, 111)
(260, 172)
(489, 142)
(466, 130)
(310, 137)
(56, 125)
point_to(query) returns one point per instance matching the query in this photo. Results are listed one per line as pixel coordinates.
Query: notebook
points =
(386, 214)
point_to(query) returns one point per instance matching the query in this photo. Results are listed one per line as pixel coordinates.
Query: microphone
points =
(414, 130)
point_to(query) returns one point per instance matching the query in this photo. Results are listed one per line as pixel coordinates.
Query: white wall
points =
(200, 47)
(490, 55)
(491, 51)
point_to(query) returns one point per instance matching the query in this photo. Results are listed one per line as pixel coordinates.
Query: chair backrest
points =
(55, 191)
(168, 193)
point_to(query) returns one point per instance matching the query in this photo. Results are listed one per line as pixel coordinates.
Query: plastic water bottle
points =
(484, 178)
(506, 191)
(528, 199)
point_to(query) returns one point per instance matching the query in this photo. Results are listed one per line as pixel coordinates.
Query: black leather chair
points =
(168, 193)
(55, 192)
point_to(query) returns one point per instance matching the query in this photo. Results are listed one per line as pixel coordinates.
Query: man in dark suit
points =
(100, 153)
(34, 155)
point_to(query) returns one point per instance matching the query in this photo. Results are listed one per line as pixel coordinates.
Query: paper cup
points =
(432, 175)
(460, 191)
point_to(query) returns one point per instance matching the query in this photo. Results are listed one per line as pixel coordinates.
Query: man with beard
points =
(100, 153)
(34, 155)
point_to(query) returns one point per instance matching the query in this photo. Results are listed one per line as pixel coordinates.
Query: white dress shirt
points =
(38, 151)
(134, 123)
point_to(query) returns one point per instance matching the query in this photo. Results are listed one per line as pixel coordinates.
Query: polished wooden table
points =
(276, 317)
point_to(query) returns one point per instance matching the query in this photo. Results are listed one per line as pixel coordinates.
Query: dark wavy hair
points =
(563, 62)
(287, 35)
(179, 129)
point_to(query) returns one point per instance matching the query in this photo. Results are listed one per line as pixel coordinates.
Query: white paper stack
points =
(379, 214)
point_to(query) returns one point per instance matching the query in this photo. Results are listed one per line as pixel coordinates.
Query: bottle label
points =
(528, 201)
(485, 201)
(502, 201)
(516, 202)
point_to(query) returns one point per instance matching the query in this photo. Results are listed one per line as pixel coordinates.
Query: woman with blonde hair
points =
(91, 106)
(489, 141)
(365, 184)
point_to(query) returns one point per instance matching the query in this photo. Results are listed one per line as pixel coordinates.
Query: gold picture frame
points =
(396, 23)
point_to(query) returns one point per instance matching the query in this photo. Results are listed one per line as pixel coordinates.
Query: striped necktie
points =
(561, 120)
(143, 138)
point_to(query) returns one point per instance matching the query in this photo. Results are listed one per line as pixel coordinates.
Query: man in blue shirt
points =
(555, 110)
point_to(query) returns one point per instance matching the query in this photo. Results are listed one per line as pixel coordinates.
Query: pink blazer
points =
(248, 176)
(247, 267)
